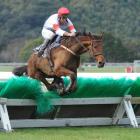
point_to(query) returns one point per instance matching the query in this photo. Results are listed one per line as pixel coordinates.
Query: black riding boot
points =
(47, 54)
(43, 47)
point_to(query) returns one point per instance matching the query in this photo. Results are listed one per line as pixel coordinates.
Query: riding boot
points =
(43, 47)
(48, 55)
(58, 38)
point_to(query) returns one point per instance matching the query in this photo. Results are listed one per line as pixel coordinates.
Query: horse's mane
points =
(69, 41)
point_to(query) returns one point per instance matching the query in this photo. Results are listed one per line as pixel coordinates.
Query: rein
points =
(71, 50)
(80, 43)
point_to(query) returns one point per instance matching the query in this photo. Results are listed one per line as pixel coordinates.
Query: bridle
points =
(92, 46)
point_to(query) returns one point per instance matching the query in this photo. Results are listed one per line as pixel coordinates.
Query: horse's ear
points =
(78, 33)
(90, 34)
(84, 31)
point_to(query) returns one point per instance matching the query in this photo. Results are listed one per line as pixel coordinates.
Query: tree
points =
(115, 51)
(25, 18)
(27, 50)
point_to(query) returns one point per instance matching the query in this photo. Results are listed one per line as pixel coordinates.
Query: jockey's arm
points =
(73, 33)
(64, 33)
(71, 28)
(61, 32)
(69, 34)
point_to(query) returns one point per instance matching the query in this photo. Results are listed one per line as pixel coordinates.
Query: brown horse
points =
(66, 60)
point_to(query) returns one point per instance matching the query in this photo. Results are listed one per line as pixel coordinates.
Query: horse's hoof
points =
(60, 92)
(64, 93)
(68, 90)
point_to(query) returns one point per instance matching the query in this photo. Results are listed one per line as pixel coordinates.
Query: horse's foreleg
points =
(41, 77)
(62, 71)
(73, 84)
(59, 84)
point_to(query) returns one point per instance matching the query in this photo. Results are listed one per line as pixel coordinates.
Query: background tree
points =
(26, 51)
(23, 20)
(115, 51)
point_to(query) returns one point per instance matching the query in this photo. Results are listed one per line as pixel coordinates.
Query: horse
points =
(66, 60)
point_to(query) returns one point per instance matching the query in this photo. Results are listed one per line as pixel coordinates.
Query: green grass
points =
(6, 68)
(73, 133)
(106, 69)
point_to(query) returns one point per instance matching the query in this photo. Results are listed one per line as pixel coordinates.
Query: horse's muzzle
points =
(100, 64)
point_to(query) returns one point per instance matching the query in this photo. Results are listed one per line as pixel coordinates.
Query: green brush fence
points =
(27, 88)
(105, 87)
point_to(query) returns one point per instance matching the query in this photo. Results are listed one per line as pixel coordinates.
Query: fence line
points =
(87, 67)
(83, 64)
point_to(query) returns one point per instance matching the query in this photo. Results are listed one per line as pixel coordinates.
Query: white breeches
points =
(47, 34)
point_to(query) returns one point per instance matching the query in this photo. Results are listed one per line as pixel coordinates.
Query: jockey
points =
(56, 25)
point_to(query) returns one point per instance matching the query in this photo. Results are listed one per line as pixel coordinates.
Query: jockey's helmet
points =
(63, 11)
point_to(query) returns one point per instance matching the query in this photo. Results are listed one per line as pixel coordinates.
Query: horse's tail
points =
(20, 71)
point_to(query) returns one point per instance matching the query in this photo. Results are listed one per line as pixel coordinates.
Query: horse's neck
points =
(79, 48)
(76, 46)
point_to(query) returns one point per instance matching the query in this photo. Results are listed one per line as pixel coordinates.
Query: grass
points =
(73, 133)
(6, 68)
(93, 69)
(106, 69)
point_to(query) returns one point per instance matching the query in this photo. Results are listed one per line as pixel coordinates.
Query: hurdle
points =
(97, 111)
(123, 105)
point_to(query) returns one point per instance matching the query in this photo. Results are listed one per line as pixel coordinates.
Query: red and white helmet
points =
(63, 11)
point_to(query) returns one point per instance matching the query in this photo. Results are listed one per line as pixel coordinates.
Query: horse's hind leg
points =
(35, 74)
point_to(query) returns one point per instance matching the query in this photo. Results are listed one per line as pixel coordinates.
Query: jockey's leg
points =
(36, 49)
(58, 39)
(47, 54)
(43, 47)
(47, 35)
